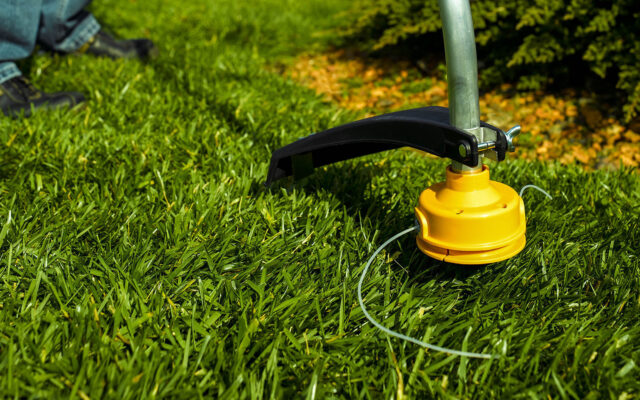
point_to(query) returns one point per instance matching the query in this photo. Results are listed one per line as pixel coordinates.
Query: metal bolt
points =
(462, 150)
(486, 146)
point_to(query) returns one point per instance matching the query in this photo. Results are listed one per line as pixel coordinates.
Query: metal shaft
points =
(462, 70)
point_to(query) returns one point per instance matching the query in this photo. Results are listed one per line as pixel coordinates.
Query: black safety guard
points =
(425, 129)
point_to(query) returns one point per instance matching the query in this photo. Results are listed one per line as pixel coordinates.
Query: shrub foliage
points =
(532, 42)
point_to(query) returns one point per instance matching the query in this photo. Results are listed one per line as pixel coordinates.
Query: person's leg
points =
(60, 25)
(19, 20)
(66, 26)
(19, 23)
(8, 70)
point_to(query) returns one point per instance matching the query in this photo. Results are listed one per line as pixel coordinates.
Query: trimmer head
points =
(470, 219)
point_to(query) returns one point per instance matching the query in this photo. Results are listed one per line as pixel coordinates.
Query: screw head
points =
(462, 149)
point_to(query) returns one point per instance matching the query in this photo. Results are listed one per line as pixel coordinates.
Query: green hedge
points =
(531, 42)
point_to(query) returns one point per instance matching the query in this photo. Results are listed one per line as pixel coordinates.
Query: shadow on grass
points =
(352, 186)
(422, 268)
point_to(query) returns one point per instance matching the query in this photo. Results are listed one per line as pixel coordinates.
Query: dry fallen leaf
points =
(568, 127)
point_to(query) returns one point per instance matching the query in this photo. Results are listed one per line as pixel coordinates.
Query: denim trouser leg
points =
(8, 70)
(66, 25)
(59, 25)
(19, 20)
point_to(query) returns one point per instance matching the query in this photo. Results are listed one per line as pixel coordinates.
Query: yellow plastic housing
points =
(470, 219)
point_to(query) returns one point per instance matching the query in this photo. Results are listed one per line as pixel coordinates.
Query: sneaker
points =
(104, 45)
(18, 95)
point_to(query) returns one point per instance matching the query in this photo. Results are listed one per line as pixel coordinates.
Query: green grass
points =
(141, 256)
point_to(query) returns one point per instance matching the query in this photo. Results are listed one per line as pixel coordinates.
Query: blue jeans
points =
(58, 25)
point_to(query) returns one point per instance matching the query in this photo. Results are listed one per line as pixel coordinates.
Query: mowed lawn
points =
(142, 257)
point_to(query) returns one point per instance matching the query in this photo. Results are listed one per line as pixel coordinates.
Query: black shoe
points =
(105, 45)
(19, 95)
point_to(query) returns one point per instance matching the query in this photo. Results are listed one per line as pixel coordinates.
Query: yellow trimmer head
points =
(470, 219)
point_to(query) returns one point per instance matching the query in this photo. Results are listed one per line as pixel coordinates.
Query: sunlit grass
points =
(143, 257)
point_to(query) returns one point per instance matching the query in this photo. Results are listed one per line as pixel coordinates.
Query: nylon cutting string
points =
(525, 187)
(398, 334)
(409, 338)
